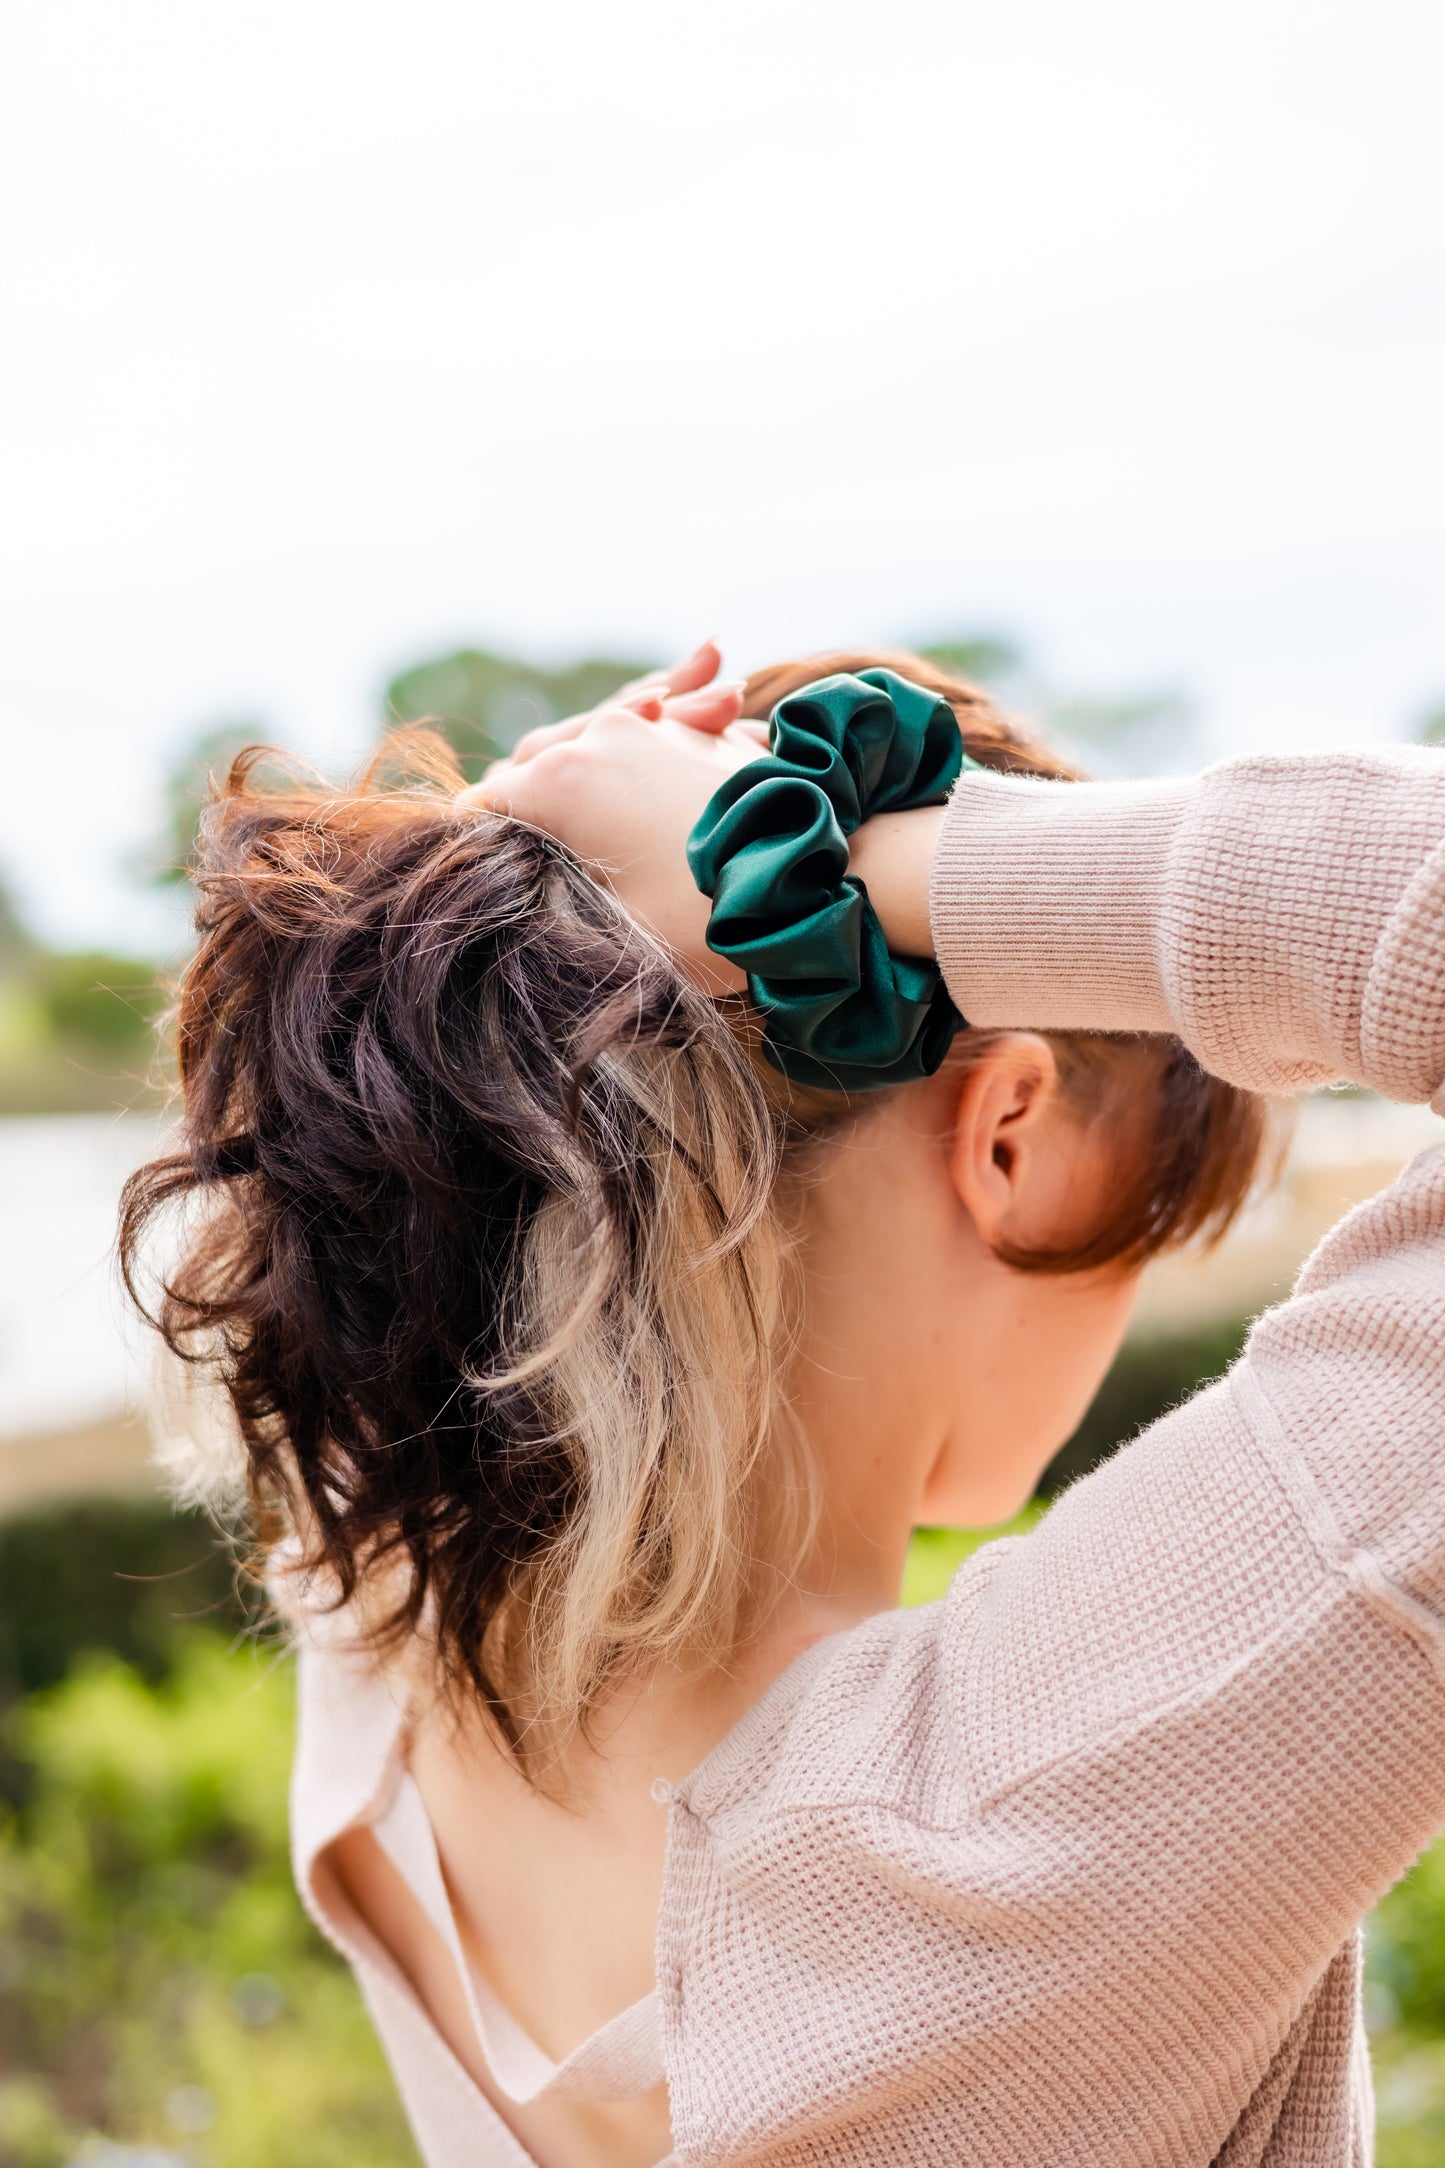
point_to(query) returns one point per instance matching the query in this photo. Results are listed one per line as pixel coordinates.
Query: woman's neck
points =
(862, 1395)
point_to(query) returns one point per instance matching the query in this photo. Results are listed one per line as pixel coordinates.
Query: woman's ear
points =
(1002, 1109)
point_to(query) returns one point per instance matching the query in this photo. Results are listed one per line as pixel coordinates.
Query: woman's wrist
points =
(892, 855)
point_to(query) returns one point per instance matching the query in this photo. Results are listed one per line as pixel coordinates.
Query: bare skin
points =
(624, 785)
(934, 1383)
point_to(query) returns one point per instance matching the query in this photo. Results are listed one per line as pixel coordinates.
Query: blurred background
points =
(361, 363)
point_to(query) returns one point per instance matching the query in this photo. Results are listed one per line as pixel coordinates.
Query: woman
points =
(591, 1375)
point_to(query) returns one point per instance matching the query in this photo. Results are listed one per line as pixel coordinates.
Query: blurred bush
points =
(1405, 2011)
(1149, 1376)
(127, 1576)
(163, 1998)
(161, 1988)
(184, 793)
(77, 1031)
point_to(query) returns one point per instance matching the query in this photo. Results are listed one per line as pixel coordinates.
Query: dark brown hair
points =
(483, 1188)
(482, 1245)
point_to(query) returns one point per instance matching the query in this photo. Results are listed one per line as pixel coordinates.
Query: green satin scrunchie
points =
(771, 850)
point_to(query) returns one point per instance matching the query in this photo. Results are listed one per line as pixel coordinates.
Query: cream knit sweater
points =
(1068, 1868)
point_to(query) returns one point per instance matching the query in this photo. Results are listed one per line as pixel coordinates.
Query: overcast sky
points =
(340, 333)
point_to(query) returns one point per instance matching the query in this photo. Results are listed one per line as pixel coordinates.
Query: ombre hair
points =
(487, 1228)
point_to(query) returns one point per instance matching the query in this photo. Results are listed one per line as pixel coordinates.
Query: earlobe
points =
(1001, 1102)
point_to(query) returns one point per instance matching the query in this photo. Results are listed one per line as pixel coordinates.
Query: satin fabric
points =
(771, 850)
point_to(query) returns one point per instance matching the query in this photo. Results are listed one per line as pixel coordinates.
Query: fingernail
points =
(708, 696)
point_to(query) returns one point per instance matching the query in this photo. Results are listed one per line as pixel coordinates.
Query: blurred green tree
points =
(185, 791)
(485, 701)
(987, 657)
(1146, 733)
(1150, 734)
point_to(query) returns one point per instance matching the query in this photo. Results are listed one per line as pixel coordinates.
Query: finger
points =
(710, 710)
(699, 669)
(636, 699)
(494, 793)
(651, 682)
(537, 741)
(686, 676)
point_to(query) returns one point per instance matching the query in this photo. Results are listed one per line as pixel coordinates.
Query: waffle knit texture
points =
(1068, 1868)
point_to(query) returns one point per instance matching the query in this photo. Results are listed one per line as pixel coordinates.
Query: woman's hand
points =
(623, 787)
(690, 692)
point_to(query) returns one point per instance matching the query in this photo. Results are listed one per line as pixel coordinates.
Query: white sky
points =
(338, 333)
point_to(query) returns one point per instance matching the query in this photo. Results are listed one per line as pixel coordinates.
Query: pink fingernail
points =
(707, 696)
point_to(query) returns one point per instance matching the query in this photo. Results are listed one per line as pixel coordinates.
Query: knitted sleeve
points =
(1284, 917)
(1202, 1709)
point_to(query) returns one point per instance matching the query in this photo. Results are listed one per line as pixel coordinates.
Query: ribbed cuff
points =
(1046, 901)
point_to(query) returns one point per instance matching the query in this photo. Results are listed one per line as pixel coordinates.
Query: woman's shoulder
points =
(866, 1717)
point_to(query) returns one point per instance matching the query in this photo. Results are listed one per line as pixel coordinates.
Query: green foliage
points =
(484, 702)
(985, 658)
(128, 1576)
(161, 1979)
(17, 946)
(94, 1000)
(1148, 734)
(1405, 2003)
(1408, 1947)
(935, 1554)
(1431, 728)
(1150, 1375)
(156, 1969)
(1133, 734)
(186, 790)
(77, 1031)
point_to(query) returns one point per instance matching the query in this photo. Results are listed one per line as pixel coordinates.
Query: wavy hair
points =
(486, 1218)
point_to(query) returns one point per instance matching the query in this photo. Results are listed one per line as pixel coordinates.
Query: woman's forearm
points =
(1286, 917)
(893, 856)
